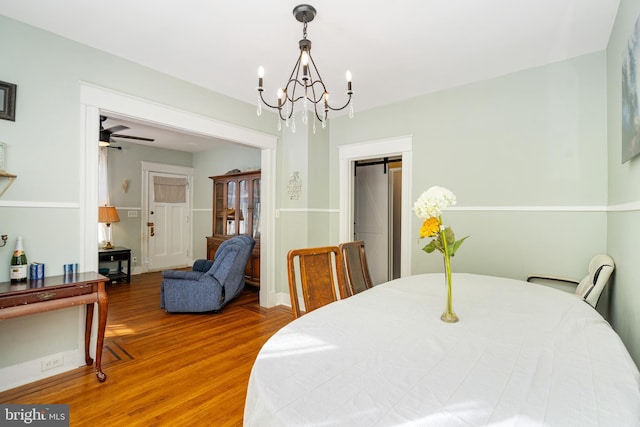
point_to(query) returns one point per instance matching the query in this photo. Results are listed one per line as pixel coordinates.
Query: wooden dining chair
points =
(321, 277)
(356, 267)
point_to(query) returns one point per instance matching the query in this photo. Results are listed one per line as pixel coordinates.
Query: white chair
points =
(590, 288)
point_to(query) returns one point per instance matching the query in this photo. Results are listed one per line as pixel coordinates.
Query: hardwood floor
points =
(164, 369)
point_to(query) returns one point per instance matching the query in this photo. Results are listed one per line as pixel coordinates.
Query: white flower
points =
(431, 202)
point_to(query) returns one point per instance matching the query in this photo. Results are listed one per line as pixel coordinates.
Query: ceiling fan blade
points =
(117, 128)
(131, 137)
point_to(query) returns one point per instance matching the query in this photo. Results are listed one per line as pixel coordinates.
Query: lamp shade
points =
(108, 214)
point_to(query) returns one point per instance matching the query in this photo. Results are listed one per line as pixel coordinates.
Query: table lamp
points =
(108, 215)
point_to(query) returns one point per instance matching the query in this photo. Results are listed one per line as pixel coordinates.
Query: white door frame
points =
(94, 99)
(348, 154)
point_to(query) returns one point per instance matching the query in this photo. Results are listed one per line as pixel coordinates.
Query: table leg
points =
(87, 334)
(102, 325)
(129, 269)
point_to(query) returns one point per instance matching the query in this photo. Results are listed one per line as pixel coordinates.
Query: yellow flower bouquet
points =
(428, 207)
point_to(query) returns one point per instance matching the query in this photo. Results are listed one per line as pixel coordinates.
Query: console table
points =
(56, 292)
(117, 254)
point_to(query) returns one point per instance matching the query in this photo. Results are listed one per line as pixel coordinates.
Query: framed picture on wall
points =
(630, 98)
(8, 101)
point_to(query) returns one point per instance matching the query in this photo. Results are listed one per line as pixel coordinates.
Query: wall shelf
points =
(11, 178)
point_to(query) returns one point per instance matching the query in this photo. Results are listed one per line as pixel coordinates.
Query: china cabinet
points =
(236, 210)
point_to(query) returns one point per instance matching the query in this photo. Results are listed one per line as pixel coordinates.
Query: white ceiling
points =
(394, 49)
(163, 137)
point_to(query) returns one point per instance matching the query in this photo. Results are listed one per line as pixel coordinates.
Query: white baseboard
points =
(283, 299)
(32, 370)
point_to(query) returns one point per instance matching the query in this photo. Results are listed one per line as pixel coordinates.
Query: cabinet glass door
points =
(219, 208)
(231, 208)
(244, 206)
(256, 209)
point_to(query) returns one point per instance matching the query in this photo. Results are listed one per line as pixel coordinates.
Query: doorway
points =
(94, 100)
(399, 147)
(377, 214)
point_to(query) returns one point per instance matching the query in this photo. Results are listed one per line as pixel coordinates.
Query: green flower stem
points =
(447, 267)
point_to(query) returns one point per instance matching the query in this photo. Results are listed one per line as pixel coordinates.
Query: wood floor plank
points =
(164, 369)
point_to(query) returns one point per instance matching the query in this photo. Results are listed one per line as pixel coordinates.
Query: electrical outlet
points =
(134, 259)
(52, 362)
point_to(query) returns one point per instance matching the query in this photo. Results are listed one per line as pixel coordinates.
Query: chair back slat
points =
(356, 267)
(319, 275)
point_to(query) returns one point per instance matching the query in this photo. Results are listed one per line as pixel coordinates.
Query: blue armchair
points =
(212, 283)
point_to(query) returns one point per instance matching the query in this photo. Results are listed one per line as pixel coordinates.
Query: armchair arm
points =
(182, 274)
(552, 278)
(564, 284)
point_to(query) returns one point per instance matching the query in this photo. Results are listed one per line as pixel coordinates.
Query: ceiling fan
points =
(107, 135)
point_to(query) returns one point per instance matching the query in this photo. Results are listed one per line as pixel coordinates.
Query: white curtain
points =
(169, 190)
(103, 187)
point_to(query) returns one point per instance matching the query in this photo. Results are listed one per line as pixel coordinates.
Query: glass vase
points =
(448, 316)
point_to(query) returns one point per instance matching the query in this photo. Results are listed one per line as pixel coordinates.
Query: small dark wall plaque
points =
(8, 101)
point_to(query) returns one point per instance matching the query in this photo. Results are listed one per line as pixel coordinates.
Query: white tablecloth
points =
(522, 354)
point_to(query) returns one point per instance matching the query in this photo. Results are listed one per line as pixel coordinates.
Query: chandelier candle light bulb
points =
(260, 76)
(305, 66)
(280, 96)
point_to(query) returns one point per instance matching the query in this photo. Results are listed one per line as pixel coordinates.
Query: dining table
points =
(521, 354)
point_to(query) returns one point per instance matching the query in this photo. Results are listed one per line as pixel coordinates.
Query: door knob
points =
(151, 231)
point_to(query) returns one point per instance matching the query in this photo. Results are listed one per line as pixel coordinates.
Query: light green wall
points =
(43, 149)
(518, 151)
(302, 222)
(623, 226)
(529, 138)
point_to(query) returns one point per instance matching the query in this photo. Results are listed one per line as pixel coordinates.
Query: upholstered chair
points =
(590, 287)
(212, 283)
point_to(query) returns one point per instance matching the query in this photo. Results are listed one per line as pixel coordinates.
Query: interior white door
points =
(167, 228)
(371, 218)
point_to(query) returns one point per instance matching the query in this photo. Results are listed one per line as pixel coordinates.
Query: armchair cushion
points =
(181, 274)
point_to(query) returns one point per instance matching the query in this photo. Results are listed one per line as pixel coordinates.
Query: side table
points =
(117, 254)
(56, 292)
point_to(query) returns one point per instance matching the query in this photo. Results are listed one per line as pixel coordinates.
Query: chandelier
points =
(305, 84)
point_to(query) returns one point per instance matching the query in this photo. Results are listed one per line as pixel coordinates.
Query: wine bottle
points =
(19, 263)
